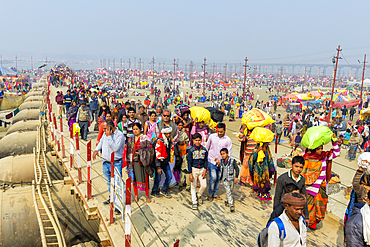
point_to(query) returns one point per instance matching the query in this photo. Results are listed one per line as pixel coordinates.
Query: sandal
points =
(148, 200)
(217, 197)
(210, 198)
(136, 199)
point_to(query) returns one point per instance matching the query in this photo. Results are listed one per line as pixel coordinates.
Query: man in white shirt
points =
(112, 141)
(293, 221)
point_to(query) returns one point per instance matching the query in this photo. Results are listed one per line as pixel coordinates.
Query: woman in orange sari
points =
(246, 150)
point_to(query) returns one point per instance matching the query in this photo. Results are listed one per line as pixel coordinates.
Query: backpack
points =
(262, 238)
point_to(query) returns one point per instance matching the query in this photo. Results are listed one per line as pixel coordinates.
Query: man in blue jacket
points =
(357, 229)
(67, 100)
(94, 105)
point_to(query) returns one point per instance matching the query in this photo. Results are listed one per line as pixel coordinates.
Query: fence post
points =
(51, 124)
(62, 138)
(78, 153)
(111, 187)
(71, 147)
(88, 170)
(177, 243)
(56, 132)
(128, 213)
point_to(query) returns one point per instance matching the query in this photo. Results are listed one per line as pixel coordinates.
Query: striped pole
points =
(51, 124)
(111, 188)
(62, 138)
(78, 159)
(88, 170)
(128, 213)
(56, 132)
(71, 147)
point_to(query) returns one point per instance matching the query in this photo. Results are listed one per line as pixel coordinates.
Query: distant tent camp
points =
(7, 71)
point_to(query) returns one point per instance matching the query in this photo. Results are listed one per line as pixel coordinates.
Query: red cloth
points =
(160, 148)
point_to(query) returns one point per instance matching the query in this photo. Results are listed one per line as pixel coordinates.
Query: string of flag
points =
(12, 114)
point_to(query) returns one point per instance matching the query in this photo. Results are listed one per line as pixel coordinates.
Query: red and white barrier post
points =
(51, 125)
(111, 187)
(62, 138)
(128, 213)
(78, 159)
(88, 170)
(71, 147)
(56, 132)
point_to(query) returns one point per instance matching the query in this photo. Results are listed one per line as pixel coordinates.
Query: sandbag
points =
(316, 136)
(202, 114)
(261, 135)
(256, 118)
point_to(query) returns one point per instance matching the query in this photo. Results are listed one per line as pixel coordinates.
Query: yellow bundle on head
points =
(256, 118)
(202, 114)
(262, 135)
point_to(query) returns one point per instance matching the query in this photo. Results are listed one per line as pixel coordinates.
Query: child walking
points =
(197, 167)
(229, 176)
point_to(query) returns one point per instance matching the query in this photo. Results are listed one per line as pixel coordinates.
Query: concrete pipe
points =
(38, 85)
(30, 105)
(34, 93)
(17, 169)
(19, 225)
(18, 143)
(23, 126)
(34, 98)
(28, 114)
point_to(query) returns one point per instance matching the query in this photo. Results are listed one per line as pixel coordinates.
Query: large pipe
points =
(30, 105)
(34, 98)
(17, 169)
(18, 143)
(23, 126)
(19, 225)
(28, 114)
(35, 93)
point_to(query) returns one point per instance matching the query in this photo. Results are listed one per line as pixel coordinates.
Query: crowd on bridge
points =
(167, 148)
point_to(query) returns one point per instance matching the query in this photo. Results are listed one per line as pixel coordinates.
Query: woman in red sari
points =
(140, 155)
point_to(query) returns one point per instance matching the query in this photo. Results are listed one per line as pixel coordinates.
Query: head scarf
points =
(313, 155)
(291, 200)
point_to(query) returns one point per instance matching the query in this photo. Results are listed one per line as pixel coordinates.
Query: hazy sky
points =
(223, 31)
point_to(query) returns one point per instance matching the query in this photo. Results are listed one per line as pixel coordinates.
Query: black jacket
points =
(284, 179)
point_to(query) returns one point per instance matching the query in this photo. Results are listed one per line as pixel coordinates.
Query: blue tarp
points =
(7, 71)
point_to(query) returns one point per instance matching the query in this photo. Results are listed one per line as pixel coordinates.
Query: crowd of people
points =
(174, 149)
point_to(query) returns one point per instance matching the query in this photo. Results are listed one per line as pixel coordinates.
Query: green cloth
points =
(16, 111)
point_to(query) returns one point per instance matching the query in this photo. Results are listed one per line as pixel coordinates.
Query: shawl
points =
(72, 112)
(355, 138)
(171, 124)
(317, 167)
(196, 129)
